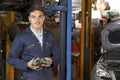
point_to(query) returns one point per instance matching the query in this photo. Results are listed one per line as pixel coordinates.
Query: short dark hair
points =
(36, 7)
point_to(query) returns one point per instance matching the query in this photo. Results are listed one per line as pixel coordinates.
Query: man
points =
(102, 5)
(35, 42)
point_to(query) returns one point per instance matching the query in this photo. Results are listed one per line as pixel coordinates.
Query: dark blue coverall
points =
(26, 46)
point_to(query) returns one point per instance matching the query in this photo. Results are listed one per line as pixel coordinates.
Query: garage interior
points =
(76, 29)
(63, 16)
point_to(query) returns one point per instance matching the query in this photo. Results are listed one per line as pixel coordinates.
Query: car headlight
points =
(102, 71)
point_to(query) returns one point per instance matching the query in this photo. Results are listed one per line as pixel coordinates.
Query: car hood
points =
(110, 36)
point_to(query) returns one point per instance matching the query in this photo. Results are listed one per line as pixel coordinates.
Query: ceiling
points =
(20, 4)
(12, 4)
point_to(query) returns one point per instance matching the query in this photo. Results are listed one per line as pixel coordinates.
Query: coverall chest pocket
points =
(30, 46)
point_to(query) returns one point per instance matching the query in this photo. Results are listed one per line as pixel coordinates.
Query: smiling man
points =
(35, 50)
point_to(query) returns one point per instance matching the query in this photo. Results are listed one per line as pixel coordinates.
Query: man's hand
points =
(49, 62)
(29, 65)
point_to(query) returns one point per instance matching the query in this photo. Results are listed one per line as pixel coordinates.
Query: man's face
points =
(36, 19)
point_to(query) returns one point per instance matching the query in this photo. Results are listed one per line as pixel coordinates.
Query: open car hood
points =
(110, 36)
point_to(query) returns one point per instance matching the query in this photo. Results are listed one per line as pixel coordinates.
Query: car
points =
(108, 65)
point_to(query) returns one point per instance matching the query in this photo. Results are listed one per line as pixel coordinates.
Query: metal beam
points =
(69, 37)
(63, 24)
(85, 40)
(62, 8)
(62, 70)
(9, 69)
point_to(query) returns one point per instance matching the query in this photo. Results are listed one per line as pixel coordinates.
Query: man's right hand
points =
(29, 65)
